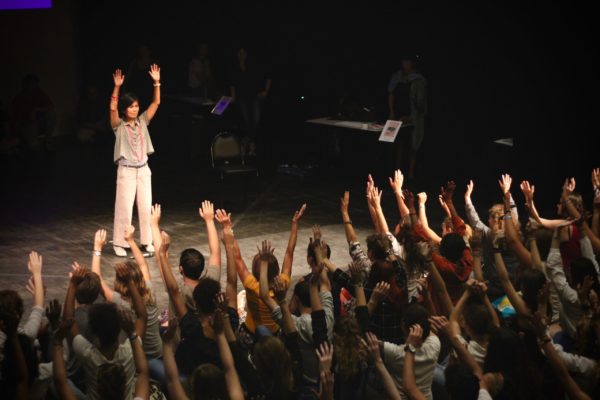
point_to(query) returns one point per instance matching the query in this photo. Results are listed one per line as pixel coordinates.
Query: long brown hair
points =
(274, 366)
(351, 356)
(138, 279)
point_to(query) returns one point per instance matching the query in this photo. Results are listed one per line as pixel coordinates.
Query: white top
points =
(484, 395)
(91, 358)
(29, 329)
(475, 349)
(424, 366)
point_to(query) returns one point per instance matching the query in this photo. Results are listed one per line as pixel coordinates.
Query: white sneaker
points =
(120, 251)
(149, 248)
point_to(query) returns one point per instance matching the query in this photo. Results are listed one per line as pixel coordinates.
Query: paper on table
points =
(390, 131)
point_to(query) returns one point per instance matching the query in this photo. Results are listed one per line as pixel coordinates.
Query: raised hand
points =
(266, 250)
(207, 211)
(129, 231)
(317, 232)
(298, 214)
(220, 302)
(355, 272)
(169, 335)
(78, 274)
(441, 326)
(528, 191)
(53, 313)
(373, 346)
(446, 192)
(126, 322)
(409, 199)
(345, 203)
(374, 197)
(118, 78)
(568, 187)
(596, 178)
(415, 336)
(155, 214)
(422, 198)
(123, 272)
(279, 289)
(397, 181)
(223, 218)
(62, 327)
(325, 356)
(469, 190)
(99, 239)
(216, 321)
(442, 200)
(35, 263)
(381, 291)
(505, 181)
(154, 72)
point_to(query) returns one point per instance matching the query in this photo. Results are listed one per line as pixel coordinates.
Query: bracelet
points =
(348, 222)
(156, 84)
(97, 253)
(513, 206)
(282, 302)
(133, 336)
(508, 216)
(421, 205)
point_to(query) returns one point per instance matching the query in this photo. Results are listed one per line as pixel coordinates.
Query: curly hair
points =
(351, 356)
(138, 279)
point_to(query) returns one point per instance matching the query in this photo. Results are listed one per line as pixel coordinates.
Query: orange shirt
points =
(258, 312)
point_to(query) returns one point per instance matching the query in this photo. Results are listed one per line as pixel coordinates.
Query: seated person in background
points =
(32, 114)
(200, 77)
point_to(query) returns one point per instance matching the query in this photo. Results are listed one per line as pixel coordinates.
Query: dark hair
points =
(310, 252)
(125, 101)
(272, 270)
(192, 263)
(11, 305)
(384, 271)
(416, 314)
(204, 295)
(105, 322)
(478, 318)
(378, 245)
(543, 239)
(582, 267)
(532, 281)
(88, 290)
(111, 381)
(8, 370)
(208, 382)
(461, 383)
(415, 260)
(302, 292)
(274, 366)
(452, 247)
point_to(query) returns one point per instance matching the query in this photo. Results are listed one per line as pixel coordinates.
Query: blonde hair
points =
(138, 279)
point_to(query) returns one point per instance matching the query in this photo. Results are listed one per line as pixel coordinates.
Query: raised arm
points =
(155, 215)
(59, 371)
(596, 211)
(35, 267)
(528, 191)
(387, 380)
(434, 237)
(9, 325)
(234, 388)
(174, 386)
(451, 330)
(288, 259)
(348, 228)
(137, 254)
(124, 275)
(372, 212)
(153, 107)
(207, 212)
(99, 243)
(472, 215)
(515, 299)
(477, 251)
(229, 242)
(69, 307)
(375, 202)
(511, 234)
(142, 381)
(264, 252)
(396, 185)
(280, 289)
(409, 383)
(118, 79)
(167, 274)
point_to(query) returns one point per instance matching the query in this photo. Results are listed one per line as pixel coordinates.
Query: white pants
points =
(133, 184)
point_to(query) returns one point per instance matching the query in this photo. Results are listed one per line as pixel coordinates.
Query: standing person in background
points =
(132, 147)
(250, 86)
(407, 100)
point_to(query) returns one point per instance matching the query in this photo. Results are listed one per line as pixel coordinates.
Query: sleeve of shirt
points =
(144, 118)
(360, 258)
(459, 225)
(431, 347)
(576, 363)
(213, 272)
(441, 263)
(474, 220)
(396, 246)
(418, 98)
(392, 353)
(32, 326)
(116, 128)
(484, 395)
(277, 316)
(327, 303)
(556, 273)
(251, 284)
(587, 251)
(81, 346)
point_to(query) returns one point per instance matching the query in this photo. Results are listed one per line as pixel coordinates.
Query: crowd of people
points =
(502, 309)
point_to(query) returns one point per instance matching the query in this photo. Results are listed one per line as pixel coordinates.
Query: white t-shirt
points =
(477, 351)
(424, 366)
(91, 358)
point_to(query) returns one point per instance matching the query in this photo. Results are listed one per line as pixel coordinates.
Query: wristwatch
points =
(410, 348)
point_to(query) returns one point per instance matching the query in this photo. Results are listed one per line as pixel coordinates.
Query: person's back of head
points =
(384, 271)
(416, 314)
(311, 257)
(11, 305)
(350, 352)
(274, 366)
(204, 295)
(88, 290)
(138, 279)
(105, 323)
(378, 246)
(272, 269)
(302, 293)
(477, 319)
(461, 383)
(208, 382)
(532, 281)
(191, 262)
(452, 247)
(111, 381)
